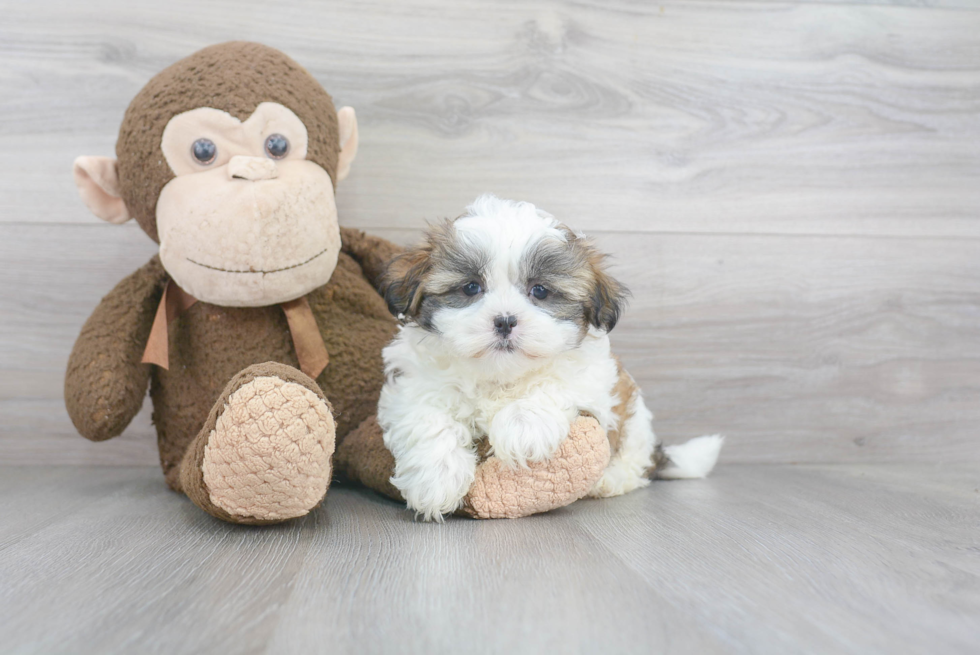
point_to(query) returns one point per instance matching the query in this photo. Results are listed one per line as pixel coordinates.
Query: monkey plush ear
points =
(98, 183)
(347, 122)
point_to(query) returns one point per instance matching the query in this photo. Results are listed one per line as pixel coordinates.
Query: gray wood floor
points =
(758, 559)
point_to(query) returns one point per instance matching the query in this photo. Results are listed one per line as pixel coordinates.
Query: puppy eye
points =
(472, 289)
(539, 292)
(204, 151)
(277, 146)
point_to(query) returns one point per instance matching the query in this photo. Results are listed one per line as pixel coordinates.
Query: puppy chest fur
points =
(581, 380)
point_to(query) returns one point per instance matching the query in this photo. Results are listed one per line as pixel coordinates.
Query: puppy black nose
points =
(504, 324)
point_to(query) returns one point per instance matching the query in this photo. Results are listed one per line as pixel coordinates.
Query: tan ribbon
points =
(307, 341)
(175, 301)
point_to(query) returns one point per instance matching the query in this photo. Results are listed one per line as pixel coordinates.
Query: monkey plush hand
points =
(258, 328)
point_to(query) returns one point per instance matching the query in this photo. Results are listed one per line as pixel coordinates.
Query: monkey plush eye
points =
(277, 146)
(472, 289)
(539, 292)
(204, 151)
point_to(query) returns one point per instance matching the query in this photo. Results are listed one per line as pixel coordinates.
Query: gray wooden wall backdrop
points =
(792, 190)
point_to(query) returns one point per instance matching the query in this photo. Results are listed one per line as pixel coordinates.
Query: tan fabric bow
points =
(307, 341)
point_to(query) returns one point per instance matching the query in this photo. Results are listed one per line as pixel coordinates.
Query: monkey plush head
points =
(229, 159)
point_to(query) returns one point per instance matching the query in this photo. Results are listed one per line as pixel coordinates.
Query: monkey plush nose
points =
(241, 167)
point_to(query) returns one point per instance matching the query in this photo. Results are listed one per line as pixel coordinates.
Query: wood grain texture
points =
(789, 189)
(758, 559)
(869, 355)
(728, 116)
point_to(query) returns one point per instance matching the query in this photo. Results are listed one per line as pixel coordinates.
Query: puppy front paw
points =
(434, 485)
(525, 432)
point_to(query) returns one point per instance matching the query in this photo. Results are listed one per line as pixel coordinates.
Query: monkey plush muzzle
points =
(249, 235)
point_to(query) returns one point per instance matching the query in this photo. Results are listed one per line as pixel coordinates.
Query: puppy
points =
(505, 318)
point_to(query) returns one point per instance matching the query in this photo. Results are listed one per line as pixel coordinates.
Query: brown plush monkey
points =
(258, 327)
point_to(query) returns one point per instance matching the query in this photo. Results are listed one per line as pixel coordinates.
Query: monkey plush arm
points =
(106, 382)
(371, 252)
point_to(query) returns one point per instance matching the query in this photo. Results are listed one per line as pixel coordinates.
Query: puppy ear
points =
(607, 297)
(401, 285)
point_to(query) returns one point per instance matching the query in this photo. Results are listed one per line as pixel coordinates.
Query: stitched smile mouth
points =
(275, 270)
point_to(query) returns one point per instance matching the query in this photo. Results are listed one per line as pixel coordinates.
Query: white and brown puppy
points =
(505, 320)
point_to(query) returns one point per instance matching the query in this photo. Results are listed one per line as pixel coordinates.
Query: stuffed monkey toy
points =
(258, 327)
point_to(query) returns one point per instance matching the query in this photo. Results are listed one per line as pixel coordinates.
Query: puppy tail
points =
(693, 459)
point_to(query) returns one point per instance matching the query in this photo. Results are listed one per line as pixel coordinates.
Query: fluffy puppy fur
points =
(505, 318)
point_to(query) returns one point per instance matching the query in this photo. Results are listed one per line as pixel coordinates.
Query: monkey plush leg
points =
(363, 457)
(264, 454)
(498, 491)
(502, 492)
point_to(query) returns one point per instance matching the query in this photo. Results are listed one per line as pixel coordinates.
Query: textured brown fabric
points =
(234, 77)
(209, 345)
(310, 351)
(363, 458)
(371, 252)
(190, 476)
(105, 383)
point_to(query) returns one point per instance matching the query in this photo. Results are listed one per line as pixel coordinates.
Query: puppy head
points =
(504, 281)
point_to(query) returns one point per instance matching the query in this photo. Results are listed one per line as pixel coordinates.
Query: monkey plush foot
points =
(500, 491)
(264, 454)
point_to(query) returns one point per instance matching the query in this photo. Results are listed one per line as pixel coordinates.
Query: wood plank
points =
(846, 559)
(143, 569)
(112, 571)
(757, 559)
(798, 348)
(39, 432)
(529, 586)
(921, 4)
(35, 497)
(735, 117)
